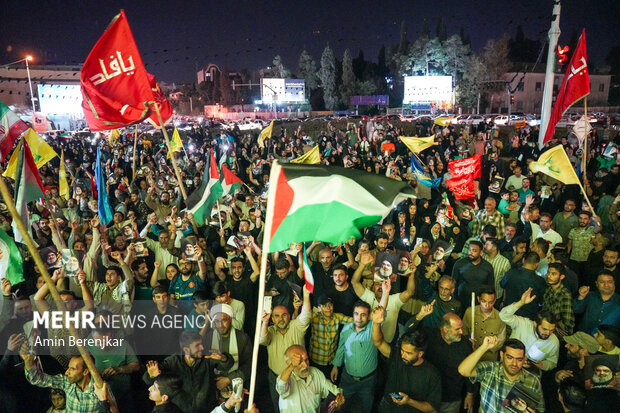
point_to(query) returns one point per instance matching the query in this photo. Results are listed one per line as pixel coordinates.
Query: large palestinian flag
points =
(28, 187)
(327, 203)
(201, 201)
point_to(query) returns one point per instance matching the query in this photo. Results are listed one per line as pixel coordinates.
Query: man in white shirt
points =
(301, 387)
(545, 232)
(541, 344)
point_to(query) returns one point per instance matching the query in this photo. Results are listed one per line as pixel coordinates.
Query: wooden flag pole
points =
(133, 163)
(8, 200)
(275, 171)
(584, 159)
(174, 161)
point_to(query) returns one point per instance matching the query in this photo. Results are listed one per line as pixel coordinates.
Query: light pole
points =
(26, 59)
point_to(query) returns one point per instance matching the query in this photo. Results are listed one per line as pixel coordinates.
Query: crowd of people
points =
(503, 302)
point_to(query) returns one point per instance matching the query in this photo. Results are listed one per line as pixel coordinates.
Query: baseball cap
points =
(583, 340)
(324, 299)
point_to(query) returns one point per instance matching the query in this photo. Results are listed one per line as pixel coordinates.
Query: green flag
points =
(11, 263)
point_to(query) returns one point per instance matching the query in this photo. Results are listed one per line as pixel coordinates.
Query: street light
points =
(26, 59)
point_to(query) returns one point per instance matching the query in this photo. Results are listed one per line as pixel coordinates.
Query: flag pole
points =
(584, 160)
(275, 171)
(473, 306)
(219, 216)
(586, 197)
(174, 161)
(133, 163)
(10, 203)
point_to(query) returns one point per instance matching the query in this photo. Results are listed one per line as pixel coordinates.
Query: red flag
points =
(115, 86)
(575, 85)
(461, 188)
(165, 108)
(465, 167)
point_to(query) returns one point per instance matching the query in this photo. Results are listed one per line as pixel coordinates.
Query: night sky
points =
(176, 38)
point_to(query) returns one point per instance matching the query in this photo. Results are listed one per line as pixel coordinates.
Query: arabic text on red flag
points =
(115, 86)
(575, 85)
(467, 166)
(461, 188)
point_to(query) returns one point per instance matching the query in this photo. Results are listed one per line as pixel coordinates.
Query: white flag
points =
(581, 130)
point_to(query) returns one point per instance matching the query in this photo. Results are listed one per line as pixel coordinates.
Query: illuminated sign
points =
(427, 89)
(60, 99)
(280, 90)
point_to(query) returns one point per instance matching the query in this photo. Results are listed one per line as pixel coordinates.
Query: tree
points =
(464, 37)
(403, 45)
(349, 83)
(306, 69)
(426, 32)
(327, 78)
(382, 66)
(225, 87)
(441, 31)
(279, 69)
(523, 49)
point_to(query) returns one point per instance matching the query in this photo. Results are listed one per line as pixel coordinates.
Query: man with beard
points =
(579, 346)
(604, 393)
(506, 243)
(378, 296)
(322, 270)
(280, 336)
(565, 220)
(596, 305)
(500, 264)
(139, 207)
(115, 293)
(442, 302)
(413, 384)
(486, 322)
(580, 244)
(342, 292)
(162, 206)
(542, 346)
(356, 351)
(194, 367)
(489, 215)
(546, 232)
(326, 324)
(141, 274)
(558, 300)
(186, 283)
(471, 272)
(301, 387)
(225, 338)
(283, 284)
(611, 258)
(163, 248)
(497, 378)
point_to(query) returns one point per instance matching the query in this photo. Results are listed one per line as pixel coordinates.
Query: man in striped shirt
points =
(499, 263)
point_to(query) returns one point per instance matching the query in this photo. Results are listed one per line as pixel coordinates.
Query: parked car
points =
(472, 120)
(501, 120)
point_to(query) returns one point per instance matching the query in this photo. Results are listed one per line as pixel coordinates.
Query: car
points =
(472, 120)
(501, 120)
(407, 118)
(458, 119)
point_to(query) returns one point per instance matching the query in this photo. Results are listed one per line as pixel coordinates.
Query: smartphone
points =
(397, 396)
(418, 241)
(267, 304)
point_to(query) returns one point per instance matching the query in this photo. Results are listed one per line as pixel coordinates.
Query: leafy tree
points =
(279, 69)
(349, 82)
(225, 87)
(441, 31)
(306, 69)
(523, 49)
(327, 78)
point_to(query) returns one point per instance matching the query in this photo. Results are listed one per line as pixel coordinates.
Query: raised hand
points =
(15, 341)
(152, 368)
(378, 315)
(527, 297)
(425, 310)
(490, 342)
(6, 287)
(583, 291)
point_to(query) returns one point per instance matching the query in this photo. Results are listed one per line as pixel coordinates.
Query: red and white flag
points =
(116, 88)
(575, 85)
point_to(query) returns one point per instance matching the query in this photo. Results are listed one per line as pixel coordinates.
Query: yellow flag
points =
(417, 145)
(443, 120)
(265, 134)
(175, 143)
(63, 186)
(113, 136)
(41, 152)
(311, 157)
(555, 163)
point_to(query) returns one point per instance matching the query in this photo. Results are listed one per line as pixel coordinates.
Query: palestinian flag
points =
(11, 262)
(308, 273)
(327, 203)
(230, 182)
(28, 187)
(201, 201)
(11, 127)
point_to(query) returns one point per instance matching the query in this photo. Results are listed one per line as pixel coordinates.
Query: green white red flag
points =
(327, 203)
(308, 277)
(11, 128)
(201, 201)
(230, 181)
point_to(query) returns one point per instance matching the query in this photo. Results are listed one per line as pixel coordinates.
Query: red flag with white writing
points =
(165, 108)
(575, 85)
(466, 166)
(462, 187)
(115, 86)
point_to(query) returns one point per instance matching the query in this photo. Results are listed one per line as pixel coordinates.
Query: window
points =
(601, 87)
(538, 86)
(520, 86)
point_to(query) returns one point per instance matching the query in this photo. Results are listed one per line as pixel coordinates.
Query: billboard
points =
(278, 90)
(60, 99)
(427, 89)
(369, 100)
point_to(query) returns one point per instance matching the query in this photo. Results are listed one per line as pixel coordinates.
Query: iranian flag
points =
(230, 181)
(28, 187)
(308, 273)
(201, 201)
(326, 203)
(11, 127)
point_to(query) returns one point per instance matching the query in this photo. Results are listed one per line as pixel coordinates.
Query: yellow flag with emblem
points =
(41, 152)
(63, 185)
(312, 157)
(555, 163)
(417, 145)
(265, 134)
(113, 136)
(175, 143)
(443, 120)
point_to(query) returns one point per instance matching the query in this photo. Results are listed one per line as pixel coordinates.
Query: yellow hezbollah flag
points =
(175, 144)
(113, 136)
(41, 152)
(443, 120)
(265, 134)
(417, 145)
(555, 163)
(311, 157)
(63, 186)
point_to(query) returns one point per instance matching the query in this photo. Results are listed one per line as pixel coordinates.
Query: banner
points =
(468, 166)
(461, 188)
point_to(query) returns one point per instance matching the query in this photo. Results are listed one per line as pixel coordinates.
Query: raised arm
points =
(408, 293)
(154, 281)
(366, 260)
(378, 316)
(467, 368)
